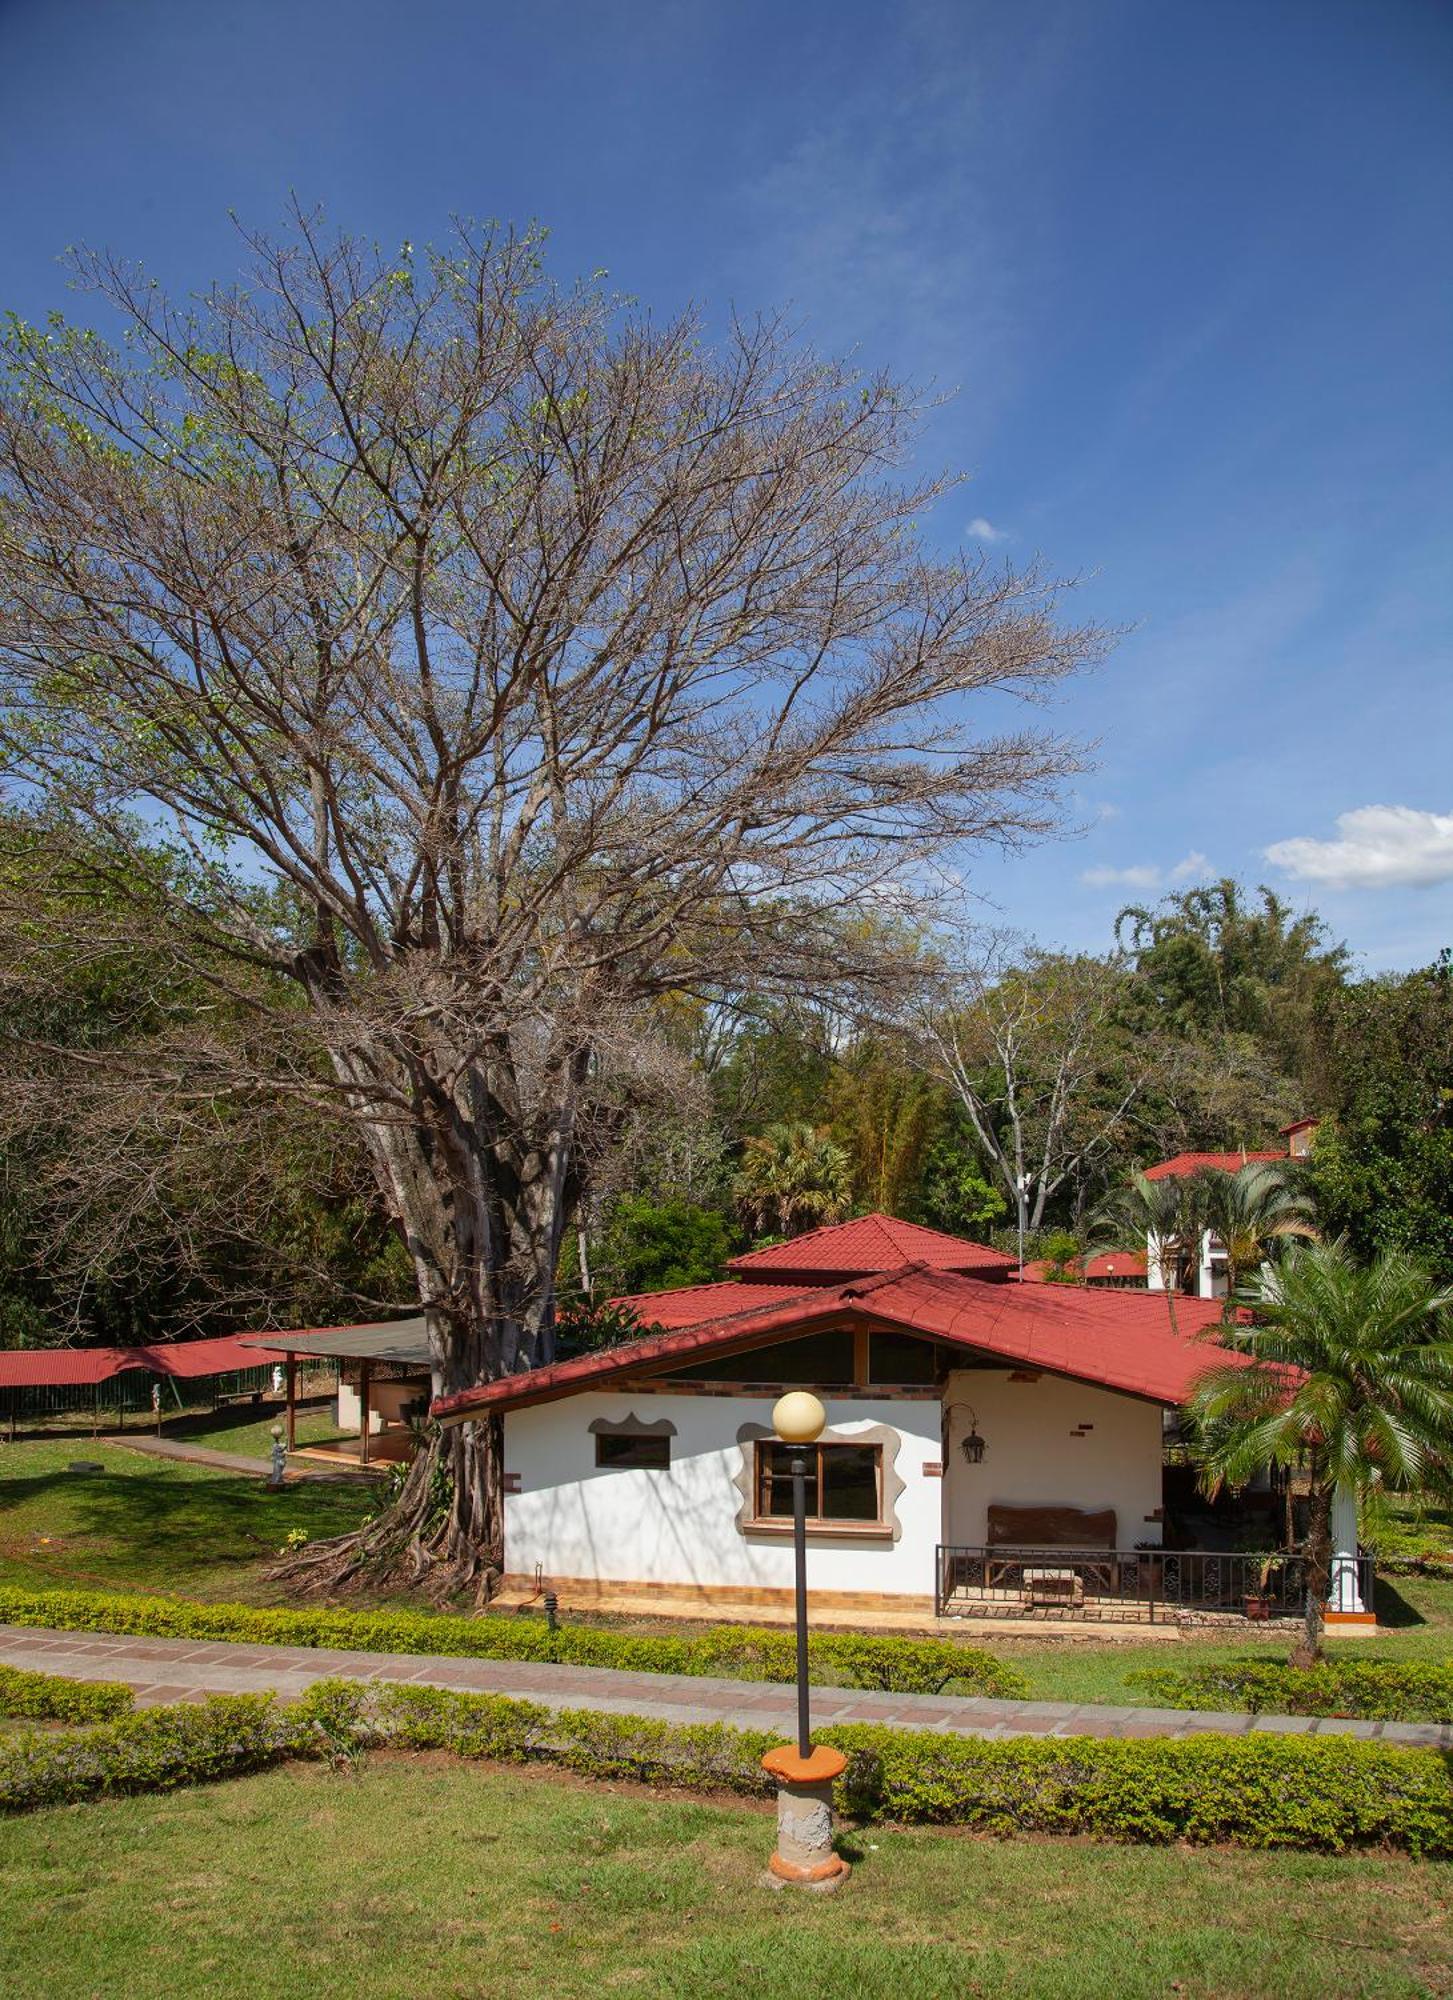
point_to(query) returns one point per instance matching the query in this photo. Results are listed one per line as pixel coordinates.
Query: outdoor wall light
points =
(972, 1446)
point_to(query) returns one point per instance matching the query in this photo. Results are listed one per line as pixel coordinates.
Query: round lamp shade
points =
(798, 1417)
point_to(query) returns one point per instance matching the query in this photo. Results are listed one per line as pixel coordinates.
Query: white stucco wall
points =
(678, 1526)
(1210, 1271)
(1035, 1453)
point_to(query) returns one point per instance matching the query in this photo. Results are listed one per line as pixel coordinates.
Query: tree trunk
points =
(1308, 1649)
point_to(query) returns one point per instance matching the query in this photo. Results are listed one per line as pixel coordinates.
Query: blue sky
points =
(1186, 269)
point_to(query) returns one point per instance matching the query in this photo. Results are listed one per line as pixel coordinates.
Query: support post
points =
(799, 1551)
(1344, 1596)
(292, 1375)
(363, 1386)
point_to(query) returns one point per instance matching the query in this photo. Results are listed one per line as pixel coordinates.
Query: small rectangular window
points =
(626, 1453)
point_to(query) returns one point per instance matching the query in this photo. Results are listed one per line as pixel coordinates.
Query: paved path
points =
(167, 1670)
(239, 1462)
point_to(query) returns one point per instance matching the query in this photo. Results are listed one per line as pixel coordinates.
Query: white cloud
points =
(1147, 875)
(1121, 878)
(1378, 847)
(985, 531)
(1195, 868)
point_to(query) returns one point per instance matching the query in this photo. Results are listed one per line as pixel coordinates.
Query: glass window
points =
(624, 1452)
(900, 1359)
(843, 1482)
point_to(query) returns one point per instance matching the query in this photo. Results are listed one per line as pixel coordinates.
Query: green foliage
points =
(1382, 1171)
(33, 1697)
(157, 1749)
(916, 1666)
(1061, 1252)
(1213, 962)
(1325, 1794)
(954, 1196)
(1372, 1690)
(656, 1246)
(793, 1177)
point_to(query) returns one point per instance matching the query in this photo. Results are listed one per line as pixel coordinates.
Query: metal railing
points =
(1145, 1583)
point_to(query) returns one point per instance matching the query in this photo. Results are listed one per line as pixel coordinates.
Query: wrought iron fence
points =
(1151, 1583)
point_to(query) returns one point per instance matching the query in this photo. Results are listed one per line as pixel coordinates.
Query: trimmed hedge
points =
(1323, 1794)
(841, 1659)
(1370, 1690)
(33, 1697)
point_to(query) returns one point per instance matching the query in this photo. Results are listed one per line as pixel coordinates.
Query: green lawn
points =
(512, 1884)
(1420, 1610)
(152, 1524)
(250, 1436)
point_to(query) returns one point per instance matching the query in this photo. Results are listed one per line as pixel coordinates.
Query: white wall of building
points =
(679, 1525)
(1210, 1272)
(1051, 1443)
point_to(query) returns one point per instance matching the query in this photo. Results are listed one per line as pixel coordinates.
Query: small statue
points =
(279, 1457)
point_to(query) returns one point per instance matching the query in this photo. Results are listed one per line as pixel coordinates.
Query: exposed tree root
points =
(418, 1541)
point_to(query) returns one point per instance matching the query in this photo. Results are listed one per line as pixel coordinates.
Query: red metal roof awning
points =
(68, 1367)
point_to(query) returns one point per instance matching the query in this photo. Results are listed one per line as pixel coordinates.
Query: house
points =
(989, 1447)
(1210, 1274)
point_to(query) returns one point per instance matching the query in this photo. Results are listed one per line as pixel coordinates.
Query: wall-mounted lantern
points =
(972, 1446)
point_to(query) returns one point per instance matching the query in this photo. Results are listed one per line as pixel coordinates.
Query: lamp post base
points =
(804, 1858)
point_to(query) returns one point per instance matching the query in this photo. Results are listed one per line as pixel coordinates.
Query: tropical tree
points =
(1168, 1215)
(793, 1177)
(495, 661)
(1252, 1214)
(1350, 1376)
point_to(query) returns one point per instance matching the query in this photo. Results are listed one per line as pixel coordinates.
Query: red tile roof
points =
(1195, 1163)
(1119, 1340)
(694, 1303)
(866, 1244)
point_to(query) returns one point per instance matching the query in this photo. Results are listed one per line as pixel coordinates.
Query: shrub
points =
(881, 1660)
(157, 1749)
(33, 1697)
(1327, 1794)
(1371, 1690)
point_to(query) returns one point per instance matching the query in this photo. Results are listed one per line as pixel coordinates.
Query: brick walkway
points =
(166, 1670)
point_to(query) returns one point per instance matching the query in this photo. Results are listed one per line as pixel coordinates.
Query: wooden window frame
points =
(819, 1523)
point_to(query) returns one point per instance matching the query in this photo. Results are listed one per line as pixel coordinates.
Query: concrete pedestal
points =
(804, 1858)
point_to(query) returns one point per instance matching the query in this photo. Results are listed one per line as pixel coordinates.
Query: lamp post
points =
(804, 1853)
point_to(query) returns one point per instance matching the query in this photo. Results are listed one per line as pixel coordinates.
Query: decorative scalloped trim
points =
(894, 1485)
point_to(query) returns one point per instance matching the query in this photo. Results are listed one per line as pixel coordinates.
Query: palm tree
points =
(793, 1178)
(1350, 1375)
(1170, 1215)
(1253, 1214)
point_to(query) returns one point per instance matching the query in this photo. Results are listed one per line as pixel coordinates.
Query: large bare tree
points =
(1037, 1049)
(494, 661)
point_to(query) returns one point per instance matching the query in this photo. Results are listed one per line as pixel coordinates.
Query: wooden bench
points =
(1022, 1536)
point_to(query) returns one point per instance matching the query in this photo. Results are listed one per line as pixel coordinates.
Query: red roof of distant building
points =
(64, 1367)
(1119, 1340)
(1116, 1264)
(1298, 1125)
(867, 1244)
(1195, 1163)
